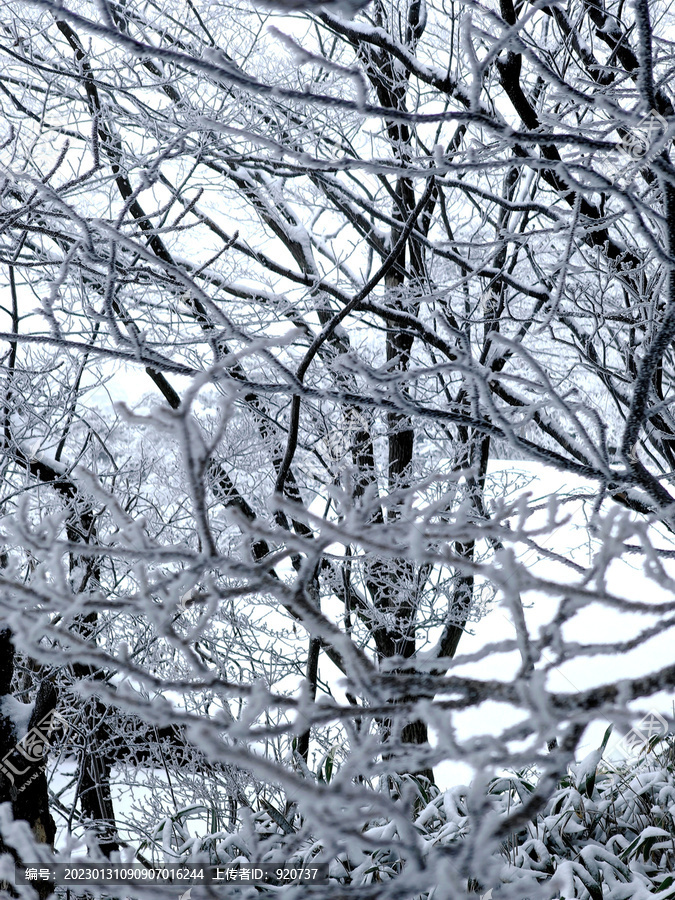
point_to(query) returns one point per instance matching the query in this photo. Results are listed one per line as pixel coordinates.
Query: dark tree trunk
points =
(23, 782)
(93, 789)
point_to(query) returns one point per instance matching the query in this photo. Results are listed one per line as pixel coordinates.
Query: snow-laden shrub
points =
(606, 833)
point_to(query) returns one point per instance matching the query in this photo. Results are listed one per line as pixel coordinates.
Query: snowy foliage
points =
(337, 446)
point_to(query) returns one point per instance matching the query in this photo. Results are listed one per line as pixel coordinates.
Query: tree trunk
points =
(23, 782)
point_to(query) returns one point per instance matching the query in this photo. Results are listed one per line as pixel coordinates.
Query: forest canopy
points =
(320, 325)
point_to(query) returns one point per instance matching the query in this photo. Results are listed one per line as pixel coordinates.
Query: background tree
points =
(300, 280)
